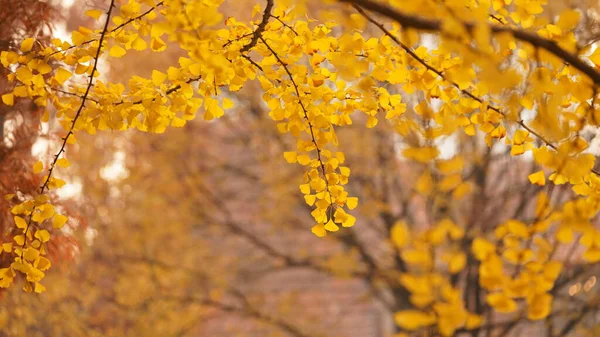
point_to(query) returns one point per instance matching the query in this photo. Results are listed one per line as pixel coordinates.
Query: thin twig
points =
(112, 30)
(310, 126)
(285, 24)
(261, 27)
(410, 52)
(66, 138)
(425, 24)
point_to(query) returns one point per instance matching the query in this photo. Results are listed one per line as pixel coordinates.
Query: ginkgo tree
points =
(499, 70)
(188, 242)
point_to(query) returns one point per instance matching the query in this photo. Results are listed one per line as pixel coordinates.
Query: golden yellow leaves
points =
(456, 262)
(534, 275)
(413, 319)
(61, 76)
(27, 44)
(423, 155)
(501, 303)
(158, 77)
(212, 109)
(595, 57)
(31, 243)
(324, 189)
(59, 221)
(538, 178)
(117, 51)
(400, 234)
(568, 19)
(8, 99)
(448, 177)
(430, 290)
(313, 81)
(157, 44)
(63, 162)
(78, 38)
(8, 58)
(131, 9)
(38, 167)
(138, 44)
(440, 304)
(392, 104)
(94, 13)
(568, 163)
(539, 306)
(20, 222)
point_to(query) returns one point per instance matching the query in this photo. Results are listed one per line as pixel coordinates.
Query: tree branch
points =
(432, 25)
(436, 26)
(261, 27)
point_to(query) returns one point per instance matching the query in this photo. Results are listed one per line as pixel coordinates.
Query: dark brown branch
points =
(168, 92)
(261, 27)
(590, 307)
(252, 62)
(467, 93)
(304, 110)
(285, 24)
(73, 94)
(77, 114)
(112, 30)
(432, 25)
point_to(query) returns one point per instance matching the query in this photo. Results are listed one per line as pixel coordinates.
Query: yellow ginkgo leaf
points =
(178, 122)
(372, 121)
(482, 249)
(400, 234)
(117, 51)
(564, 235)
(77, 38)
(568, 19)
(62, 75)
(94, 13)
(473, 321)
(139, 44)
(157, 44)
(31, 254)
(457, 262)
(501, 302)
(38, 167)
(540, 306)
(538, 178)
(63, 162)
(290, 157)
(42, 235)
(20, 222)
(413, 319)
(304, 159)
(331, 226)
(71, 140)
(422, 155)
(27, 44)
(349, 222)
(8, 99)
(39, 288)
(59, 220)
(19, 239)
(319, 230)
(352, 202)
(227, 103)
(158, 77)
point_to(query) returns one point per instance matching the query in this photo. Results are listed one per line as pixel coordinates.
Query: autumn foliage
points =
(476, 170)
